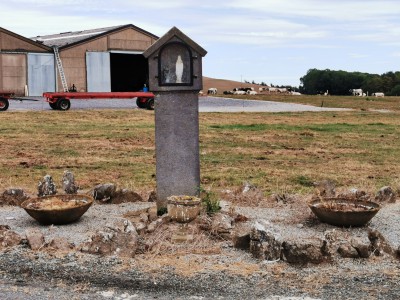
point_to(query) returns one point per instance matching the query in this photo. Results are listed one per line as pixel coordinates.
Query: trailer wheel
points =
(53, 105)
(4, 104)
(63, 104)
(150, 104)
(139, 103)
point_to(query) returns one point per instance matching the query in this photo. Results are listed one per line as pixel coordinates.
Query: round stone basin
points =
(343, 212)
(57, 209)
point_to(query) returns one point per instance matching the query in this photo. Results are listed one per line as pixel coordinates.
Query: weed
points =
(161, 211)
(303, 181)
(210, 200)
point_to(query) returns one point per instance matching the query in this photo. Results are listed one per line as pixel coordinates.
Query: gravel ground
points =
(230, 274)
(206, 104)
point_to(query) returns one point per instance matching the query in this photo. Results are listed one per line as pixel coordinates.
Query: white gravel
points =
(92, 221)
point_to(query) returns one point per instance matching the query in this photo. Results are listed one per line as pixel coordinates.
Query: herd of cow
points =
(360, 93)
(251, 91)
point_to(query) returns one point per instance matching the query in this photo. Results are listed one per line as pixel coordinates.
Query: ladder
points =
(60, 69)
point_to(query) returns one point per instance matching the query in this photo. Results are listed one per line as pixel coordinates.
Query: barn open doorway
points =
(129, 72)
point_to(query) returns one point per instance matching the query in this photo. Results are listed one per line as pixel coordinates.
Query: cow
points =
(295, 93)
(212, 91)
(228, 93)
(250, 92)
(380, 94)
(239, 93)
(356, 92)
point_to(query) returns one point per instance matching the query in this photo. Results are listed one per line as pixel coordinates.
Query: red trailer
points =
(4, 100)
(61, 101)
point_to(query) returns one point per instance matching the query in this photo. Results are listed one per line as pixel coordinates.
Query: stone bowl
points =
(183, 209)
(57, 209)
(343, 212)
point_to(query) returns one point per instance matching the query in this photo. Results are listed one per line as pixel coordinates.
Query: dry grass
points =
(280, 153)
(358, 103)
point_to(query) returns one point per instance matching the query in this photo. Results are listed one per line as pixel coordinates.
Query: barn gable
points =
(12, 42)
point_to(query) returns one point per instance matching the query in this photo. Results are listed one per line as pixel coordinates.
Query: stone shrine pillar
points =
(175, 77)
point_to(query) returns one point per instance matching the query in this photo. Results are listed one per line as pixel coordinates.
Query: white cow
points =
(273, 90)
(357, 92)
(295, 93)
(239, 93)
(380, 94)
(251, 93)
(282, 90)
(212, 91)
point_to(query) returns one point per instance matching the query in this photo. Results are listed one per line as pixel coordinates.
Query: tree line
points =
(341, 82)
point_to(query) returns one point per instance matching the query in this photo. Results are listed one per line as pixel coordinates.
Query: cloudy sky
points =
(271, 41)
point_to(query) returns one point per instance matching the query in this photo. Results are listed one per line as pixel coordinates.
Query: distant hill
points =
(225, 85)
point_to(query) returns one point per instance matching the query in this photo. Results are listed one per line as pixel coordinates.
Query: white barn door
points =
(98, 73)
(41, 74)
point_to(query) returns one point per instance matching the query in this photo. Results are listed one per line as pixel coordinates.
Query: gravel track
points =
(206, 104)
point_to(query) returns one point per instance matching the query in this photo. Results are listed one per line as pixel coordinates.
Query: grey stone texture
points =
(177, 145)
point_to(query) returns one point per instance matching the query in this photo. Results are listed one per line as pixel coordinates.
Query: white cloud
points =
(358, 55)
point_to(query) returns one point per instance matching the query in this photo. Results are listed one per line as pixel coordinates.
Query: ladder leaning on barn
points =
(60, 69)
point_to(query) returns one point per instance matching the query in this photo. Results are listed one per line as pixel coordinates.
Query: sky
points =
(270, 41)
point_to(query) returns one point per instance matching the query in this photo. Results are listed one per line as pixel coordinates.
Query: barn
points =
(98, 60)
(24, 64)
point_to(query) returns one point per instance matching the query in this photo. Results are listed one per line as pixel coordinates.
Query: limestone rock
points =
(379, 244)
(304, 251)
(124, 196)
(68, 183)
(47, 187)
(104, 192)
(13, 196)
(347, 251)
(264, 244)
(363, 249)
(61, 244)
(386, 194)
(118, 238)
(221, 225)
(241, 236)
(8, 238)
(35, 239)
(260, 229)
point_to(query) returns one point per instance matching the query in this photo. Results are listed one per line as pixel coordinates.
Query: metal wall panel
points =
(41, 74)
(13, 73)
(98, 73)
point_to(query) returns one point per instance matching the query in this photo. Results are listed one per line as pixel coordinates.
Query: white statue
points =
(179, 69)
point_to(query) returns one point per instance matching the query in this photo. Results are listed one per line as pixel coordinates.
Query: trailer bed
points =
(61, 100)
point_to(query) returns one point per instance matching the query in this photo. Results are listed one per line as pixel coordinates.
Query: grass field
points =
(278, 152)
(360, 103)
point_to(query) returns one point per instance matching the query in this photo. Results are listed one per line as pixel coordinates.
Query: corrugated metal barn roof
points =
(66, 39)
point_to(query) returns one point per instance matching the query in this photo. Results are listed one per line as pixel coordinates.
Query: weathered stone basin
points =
(57, 209)
(183, 209)
(343, 212)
